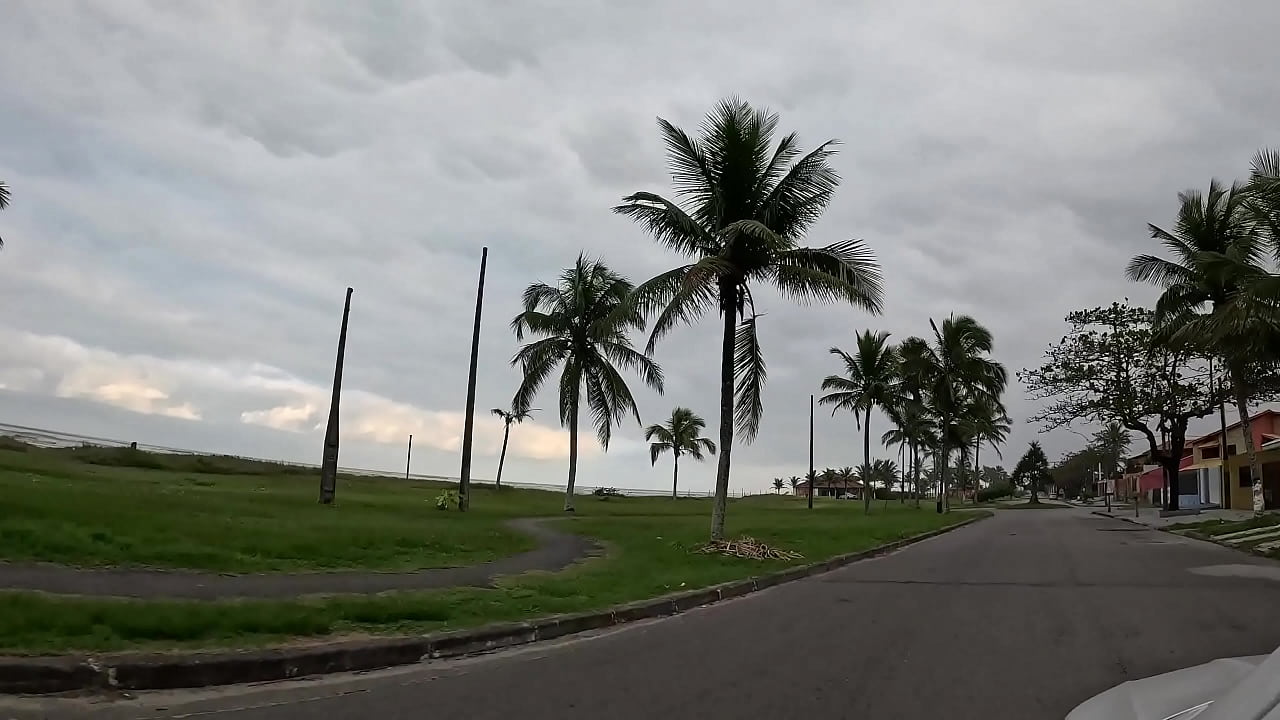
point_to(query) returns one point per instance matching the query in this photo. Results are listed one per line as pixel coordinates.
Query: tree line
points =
(1212, 338)
(741, 207)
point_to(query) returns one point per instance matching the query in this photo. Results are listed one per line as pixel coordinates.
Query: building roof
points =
(1213, 436)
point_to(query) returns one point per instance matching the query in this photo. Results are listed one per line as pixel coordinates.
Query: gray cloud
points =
(196, 183)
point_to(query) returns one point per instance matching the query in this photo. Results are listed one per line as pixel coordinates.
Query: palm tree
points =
(794, 481)
(846, 476)
(682, 435)
(885, 472)
(868, 384)
(985, 422)
(1217, 250)
(4, 202)
(743, 206)
(955, 368)
(583, 321)
(514, 415)
(777, 485)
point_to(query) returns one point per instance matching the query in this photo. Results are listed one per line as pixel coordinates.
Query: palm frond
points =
(798, 199)
(844, 271)
(669, 224)
(750, 375)
(656, 449)
(624, 356)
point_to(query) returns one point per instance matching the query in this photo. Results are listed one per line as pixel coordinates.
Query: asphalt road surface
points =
(1018, 617)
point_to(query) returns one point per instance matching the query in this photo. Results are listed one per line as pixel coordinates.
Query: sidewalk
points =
(1151, 516)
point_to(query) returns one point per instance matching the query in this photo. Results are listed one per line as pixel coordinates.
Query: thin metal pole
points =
(408, 456)
(811, 475)
(468, 428)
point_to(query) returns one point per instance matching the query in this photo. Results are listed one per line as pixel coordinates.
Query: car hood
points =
(1241, 688)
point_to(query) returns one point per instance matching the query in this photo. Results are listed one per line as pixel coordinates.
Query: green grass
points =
(56, 508)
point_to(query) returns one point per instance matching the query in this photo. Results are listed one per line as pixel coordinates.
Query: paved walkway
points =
(556, 551)
(1019, 617)
(1151, 516)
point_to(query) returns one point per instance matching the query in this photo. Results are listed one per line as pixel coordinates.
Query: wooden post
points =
(468, 427)
(408, 456)
(329, 462)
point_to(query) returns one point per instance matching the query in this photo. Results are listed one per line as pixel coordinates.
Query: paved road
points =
(1014, 618)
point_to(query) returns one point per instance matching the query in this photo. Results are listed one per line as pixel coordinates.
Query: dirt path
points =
(556, 551)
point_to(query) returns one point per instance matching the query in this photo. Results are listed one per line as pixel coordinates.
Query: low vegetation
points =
(57, 509)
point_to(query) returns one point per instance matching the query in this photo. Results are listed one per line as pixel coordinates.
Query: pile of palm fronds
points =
(747, 547)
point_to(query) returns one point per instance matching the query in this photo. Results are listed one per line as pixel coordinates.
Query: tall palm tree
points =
(885, 473)
(870, 373)
(4, 202)
(778, 483)
(583, 322)
(1217, 252)
(984, 420)
(514, 415)
(955, 368)
(682, 435)
(742, 208)
(794, 481)
(846, 476)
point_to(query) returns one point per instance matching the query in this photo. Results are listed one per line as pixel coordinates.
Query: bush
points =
(885, 494)
(995, 492)
(12, 443)
(447, 499)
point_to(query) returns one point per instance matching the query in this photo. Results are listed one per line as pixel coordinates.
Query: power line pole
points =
(329, 461)
(468, 427)
(812, 478)
(408, 456)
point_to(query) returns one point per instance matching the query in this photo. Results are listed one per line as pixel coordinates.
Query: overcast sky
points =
(196, 183)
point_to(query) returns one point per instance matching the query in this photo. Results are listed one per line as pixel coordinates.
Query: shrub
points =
(12, 443)
(995, 492)
(447, 499)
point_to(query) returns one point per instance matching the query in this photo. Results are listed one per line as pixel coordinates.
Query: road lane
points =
(1018, 617)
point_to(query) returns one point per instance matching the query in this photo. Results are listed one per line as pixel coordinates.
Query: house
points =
(1235, 490)
(830, 488)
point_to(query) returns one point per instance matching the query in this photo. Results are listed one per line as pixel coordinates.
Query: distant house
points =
(1201, 481)
(1235, 488)
(830, 488)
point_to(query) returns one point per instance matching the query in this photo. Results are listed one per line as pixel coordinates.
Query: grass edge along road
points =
(1213, 530)
(649, 552)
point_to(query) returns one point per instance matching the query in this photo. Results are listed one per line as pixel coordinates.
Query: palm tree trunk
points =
(1255, 472)
(502, 457)
(675, 473)
(977, 448)
(866, 461)
(944, 457)
(729, 307)
(915, 471)
(902, 468)
(573, 453)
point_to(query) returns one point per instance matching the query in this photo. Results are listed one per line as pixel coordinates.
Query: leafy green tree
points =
(743, 206)
(778, 484)
(1214, 246)
(514, 415)
(1111, 366)
(681, 435)
(868, 383)
(1032, 471)
(583, 321)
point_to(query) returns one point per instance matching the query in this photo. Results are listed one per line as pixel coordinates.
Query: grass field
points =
(57, 508)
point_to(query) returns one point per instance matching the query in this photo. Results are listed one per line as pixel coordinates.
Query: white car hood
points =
(1242, 688)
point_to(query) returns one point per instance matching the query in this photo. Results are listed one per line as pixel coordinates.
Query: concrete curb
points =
(1188, 533)
(41, 675)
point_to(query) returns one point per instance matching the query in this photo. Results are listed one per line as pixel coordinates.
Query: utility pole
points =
(812, 478)
(408, 456)
(469, 425)
(329, 461)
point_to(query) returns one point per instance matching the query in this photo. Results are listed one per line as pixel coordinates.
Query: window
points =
(1245, 479)
(1231, 450)
(1209, 453)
